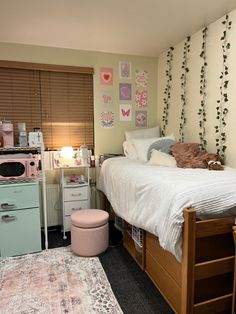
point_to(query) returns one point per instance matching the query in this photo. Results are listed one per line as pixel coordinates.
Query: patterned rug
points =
(53, 282)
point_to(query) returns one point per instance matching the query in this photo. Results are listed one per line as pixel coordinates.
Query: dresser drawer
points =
(18, 196)
(70, 207)
(20, 232)
(76, 193)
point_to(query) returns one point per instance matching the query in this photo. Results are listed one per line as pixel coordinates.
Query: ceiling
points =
(136, 27)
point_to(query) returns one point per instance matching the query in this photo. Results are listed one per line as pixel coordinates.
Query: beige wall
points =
(106, 140)
(214, 60)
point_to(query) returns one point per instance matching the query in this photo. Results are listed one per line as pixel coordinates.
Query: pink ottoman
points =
(89, 232)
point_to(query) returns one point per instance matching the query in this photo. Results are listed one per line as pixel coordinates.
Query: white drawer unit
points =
(74, 196)
(75, 193)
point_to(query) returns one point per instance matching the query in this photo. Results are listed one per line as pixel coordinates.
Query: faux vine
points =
(221, 109)
(202, 111)
(183, 80)
(167, 93)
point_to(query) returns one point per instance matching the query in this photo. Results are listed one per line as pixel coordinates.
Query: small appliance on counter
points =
(83, 153)
(22, 135)
(6, 129)
(35, 138)
(15, 166)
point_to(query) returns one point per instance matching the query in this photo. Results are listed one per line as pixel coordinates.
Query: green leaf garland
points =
(202, 111)
(183, 80)
(167, 94)
(221, 109)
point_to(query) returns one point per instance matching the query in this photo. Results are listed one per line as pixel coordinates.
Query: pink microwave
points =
(14, 167)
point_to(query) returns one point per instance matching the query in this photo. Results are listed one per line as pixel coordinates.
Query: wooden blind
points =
(60, 103)
(20, 98)
(67, 109)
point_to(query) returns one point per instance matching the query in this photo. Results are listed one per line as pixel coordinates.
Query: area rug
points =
(55, 281)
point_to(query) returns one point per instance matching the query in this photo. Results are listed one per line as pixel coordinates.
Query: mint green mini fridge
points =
(20, 231)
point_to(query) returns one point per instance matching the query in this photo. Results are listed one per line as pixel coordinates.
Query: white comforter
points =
(153, 197)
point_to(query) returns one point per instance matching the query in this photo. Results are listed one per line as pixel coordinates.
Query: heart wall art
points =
(106, 76)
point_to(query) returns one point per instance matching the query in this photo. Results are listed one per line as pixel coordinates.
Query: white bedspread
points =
(153, 197)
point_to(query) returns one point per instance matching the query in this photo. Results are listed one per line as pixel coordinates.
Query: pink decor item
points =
(106, 76)
(89, 232)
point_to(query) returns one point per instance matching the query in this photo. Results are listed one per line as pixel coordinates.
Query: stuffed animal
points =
(214, 162)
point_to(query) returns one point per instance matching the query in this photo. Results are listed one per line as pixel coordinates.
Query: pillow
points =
(142, 145)
(162, 159)
(144, 133)
(129, 150)
(162, 145)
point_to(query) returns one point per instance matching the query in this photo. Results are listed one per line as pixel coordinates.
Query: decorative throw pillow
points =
(162, 159)
(142, 145)
(143, 133)
(162, 145)
(129, 150)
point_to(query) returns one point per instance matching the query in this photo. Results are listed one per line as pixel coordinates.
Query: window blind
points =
(58, 102)
(67, 109)
(20, 98)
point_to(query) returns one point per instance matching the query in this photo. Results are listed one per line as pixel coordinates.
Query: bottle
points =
(92, 161)
(96, 161)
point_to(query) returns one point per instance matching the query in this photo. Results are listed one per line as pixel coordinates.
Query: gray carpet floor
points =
(132, 287)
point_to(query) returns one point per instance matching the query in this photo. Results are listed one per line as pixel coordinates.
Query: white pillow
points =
(129, 150)
(162, 159)
(143, 133)
(142, 145)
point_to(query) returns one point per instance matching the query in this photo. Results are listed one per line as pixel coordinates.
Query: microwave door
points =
(12, 169)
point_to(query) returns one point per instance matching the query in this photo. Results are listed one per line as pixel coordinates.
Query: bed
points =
(187, 216)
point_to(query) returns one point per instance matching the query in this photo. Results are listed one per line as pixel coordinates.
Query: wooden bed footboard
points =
(204, 282)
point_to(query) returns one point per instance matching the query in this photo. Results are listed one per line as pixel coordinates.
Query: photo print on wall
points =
(125, 112)
(106, 98)
(125, 91)
(141, 84)
(141, 119)
(107, 119)
(106, 76)
(125, 70)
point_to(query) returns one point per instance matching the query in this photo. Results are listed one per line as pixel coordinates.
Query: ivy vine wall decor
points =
(221, 109)
(167, 91)
(183, 80)
(202, 109)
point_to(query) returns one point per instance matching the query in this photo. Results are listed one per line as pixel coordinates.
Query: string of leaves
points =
(183, 80)
(167, 91)
(221, 109)
(202, 109)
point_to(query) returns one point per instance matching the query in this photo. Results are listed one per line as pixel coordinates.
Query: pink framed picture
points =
(106, 76)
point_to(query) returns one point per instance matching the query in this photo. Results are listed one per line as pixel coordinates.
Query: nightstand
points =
(74, 196)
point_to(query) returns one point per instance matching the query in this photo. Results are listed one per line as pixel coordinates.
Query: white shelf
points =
(74, 195)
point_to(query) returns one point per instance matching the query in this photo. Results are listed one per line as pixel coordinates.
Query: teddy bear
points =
(214, 162)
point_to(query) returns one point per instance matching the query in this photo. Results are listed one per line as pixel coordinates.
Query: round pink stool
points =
(89, 232)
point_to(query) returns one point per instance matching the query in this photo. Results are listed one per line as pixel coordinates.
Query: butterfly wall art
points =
(106, 76)
(125, 112)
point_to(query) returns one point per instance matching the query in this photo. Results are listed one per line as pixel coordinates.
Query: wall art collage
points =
(125, 95)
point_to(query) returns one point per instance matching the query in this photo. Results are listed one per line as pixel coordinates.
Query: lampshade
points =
(67, 152)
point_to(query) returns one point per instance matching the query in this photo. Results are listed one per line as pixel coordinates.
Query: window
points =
(56, 99)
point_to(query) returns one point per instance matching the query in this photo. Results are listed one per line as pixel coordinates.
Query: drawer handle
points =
(76, 208)
(79, 194)
(7, 218)
(7, 206)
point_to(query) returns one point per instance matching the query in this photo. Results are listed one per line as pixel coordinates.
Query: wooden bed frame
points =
(204, 282)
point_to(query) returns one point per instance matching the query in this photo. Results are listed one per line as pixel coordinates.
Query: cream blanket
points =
(153, 197)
